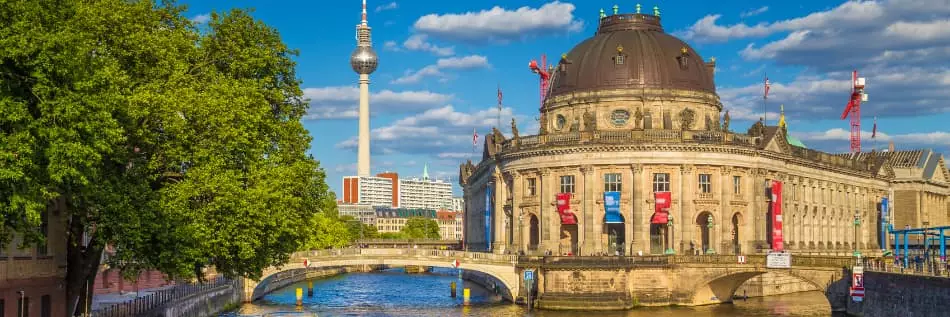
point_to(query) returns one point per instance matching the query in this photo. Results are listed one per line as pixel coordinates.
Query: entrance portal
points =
(704, 222)
(735, 234)
(568, 240)
(616, 239)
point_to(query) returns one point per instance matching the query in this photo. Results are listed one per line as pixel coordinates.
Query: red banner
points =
(777, 244)
(661, 213)
(564, 209)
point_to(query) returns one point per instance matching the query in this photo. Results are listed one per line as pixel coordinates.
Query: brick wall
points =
(111, 281)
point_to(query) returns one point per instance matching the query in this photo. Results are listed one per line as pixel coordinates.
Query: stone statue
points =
(725, 121)
(514, 129)
(575, 126)
(497, 136)
(638, 119)
(758, 128)
(686, 119)
(709, 124)
(590, 121)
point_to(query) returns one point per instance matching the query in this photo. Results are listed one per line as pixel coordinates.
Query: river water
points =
(395, 293)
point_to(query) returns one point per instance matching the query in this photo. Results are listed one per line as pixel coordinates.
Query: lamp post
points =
(857, 224)
(521, 232)
(709, 228)
(669, 228)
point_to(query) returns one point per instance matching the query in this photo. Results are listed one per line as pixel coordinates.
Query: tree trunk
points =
(82, 263)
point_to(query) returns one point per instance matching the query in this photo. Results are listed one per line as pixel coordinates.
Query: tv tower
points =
(364, 61)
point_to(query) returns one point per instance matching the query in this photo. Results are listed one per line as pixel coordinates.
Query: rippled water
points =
(395, 293)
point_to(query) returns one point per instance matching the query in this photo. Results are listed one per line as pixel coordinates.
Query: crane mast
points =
(544, 76)
(853, 109)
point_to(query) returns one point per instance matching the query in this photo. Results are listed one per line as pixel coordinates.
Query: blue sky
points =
(442, 61)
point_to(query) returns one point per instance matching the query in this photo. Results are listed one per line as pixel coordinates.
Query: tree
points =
(392, 235)
(358, 230)
(421, 228)
(181, 148)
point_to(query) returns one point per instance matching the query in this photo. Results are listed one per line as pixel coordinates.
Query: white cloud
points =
(345, 168)
(389, 6)
(444, 132)
(201, 18)
(754, 12)
(341, 102)
(499, 24)
(417, 42)
(435, 70)
(467, 62)
(391, 46)
(836, 140)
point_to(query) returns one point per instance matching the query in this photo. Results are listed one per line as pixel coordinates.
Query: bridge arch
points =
(720, 287)
(487, 269)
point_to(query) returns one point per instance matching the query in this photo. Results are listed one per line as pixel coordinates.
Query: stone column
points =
(685, 225)
(548, 221)
(499, 231)
(517, 213)
(759, 211)
(633, 220)
(592, 227)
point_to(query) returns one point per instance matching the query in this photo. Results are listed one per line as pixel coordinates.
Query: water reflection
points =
(395, 293)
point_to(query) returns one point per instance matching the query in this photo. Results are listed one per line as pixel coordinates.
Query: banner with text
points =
(564, 209)
(777, 243)
(488, 210)
(661, 212)
(612, 207)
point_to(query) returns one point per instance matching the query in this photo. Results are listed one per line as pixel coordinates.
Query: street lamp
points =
(857, 224)
(669, 228)
(520, 232)
(709, 228)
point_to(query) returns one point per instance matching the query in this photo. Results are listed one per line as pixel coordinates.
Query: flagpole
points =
(765, 102)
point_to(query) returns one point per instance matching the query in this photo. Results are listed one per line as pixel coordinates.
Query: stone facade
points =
(39, 272)
(890, 294)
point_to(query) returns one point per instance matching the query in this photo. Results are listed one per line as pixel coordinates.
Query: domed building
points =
(635, 154)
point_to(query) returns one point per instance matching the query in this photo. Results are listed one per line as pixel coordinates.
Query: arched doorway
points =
(616, 239)
(534, 233)
(704, 223)
(736, 229)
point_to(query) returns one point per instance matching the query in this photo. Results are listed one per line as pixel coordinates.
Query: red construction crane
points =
(854, 109)
(545, 76)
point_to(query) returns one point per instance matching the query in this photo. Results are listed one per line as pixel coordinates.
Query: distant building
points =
(365, 213)
(391, 220)
(40, 272)
(374, 191)
(458, 204)
(388, 190)
(450, 224)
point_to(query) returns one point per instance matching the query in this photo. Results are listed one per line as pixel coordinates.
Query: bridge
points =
(579, 282)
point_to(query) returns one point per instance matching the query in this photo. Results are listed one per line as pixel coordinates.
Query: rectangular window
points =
(567, 184)
(661, 182)
(619, 59)
(737, 185)
(612, 182)
(532, 186)
(45, 306)
(3, 307)
(705, 183)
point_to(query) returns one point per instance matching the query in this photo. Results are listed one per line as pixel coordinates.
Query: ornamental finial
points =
(712, 59)
(683, 50)
(616, 9)
(656, 11)
(638, 8)
(602, 14)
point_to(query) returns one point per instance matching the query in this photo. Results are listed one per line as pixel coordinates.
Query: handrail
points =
(141, 305)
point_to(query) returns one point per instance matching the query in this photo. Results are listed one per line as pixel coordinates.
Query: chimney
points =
(890, 146)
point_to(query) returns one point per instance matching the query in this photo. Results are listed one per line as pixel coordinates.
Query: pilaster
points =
(592, 226)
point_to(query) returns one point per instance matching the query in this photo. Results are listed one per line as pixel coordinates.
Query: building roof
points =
(651, 59)
(794, 141)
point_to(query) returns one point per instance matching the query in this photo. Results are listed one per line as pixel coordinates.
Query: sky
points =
(441, 63)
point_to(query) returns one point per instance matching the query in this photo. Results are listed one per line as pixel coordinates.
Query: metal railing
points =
(922, 268)
(141, 305)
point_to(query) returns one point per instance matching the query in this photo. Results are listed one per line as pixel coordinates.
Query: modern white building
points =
(458, 203)
(425, 192)
(365, 213)
(368, 190)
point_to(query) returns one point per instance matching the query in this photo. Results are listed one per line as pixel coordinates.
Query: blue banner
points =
(884, 209)
(488, 217)
(612, 207)
(884, 223)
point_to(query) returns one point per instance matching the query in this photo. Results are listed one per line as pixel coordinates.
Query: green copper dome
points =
(794, 141)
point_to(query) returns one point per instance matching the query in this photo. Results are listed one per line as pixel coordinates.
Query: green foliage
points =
(393, 235)
(421, 228)
(181, 147)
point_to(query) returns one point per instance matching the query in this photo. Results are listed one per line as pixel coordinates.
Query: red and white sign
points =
(777, 244)
(741, 259)
(306, 263)
(857, 284)
(564, 209)
(661, 211)
(456, 263)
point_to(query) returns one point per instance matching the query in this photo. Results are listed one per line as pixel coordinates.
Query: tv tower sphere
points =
(364, 60)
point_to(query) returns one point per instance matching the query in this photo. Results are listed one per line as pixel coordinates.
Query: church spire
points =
(425, 172)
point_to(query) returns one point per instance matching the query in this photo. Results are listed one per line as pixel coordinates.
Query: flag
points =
(767, 86)
(874, 129)
(499, 97)
(474, 137)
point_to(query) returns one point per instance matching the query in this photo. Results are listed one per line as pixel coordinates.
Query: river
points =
(395, 293)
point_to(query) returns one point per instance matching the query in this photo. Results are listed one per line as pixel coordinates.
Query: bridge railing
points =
(448, 254)
(141, 306)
